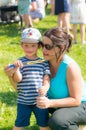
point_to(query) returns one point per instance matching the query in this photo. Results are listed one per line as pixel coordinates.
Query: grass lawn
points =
(10, 50)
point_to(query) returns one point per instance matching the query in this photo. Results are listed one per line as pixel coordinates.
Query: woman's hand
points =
(43, 102)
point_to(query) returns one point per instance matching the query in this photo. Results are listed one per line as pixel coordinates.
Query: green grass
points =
(10, 50)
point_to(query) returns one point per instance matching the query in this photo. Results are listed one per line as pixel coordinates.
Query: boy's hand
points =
(42, 91)
(18, 64)
(9, 71)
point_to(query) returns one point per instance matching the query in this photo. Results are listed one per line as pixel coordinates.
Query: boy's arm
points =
(9, 72)
(46, 84)
(17, 76)
(13, 83)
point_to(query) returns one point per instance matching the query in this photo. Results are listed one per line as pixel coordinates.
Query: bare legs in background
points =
(82, 33)
(64, 21)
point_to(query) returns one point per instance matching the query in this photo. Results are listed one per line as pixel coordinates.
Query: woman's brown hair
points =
(59, 38)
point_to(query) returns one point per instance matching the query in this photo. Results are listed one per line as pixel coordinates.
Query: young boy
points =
(32, 77)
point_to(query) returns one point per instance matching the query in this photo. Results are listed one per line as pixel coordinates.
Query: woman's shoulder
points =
(70, 62)
(67, 59)
(74, 67)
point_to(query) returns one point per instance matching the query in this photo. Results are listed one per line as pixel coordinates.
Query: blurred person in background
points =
(52, 7)
(23, 8)
(37, 10)
(78, 16)
(62, 9)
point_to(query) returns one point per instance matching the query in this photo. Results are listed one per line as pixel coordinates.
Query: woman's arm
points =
(74, 81)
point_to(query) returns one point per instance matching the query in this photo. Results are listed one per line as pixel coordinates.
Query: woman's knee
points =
(58, 119)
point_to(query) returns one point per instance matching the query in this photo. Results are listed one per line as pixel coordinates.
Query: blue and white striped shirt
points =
(32, 80)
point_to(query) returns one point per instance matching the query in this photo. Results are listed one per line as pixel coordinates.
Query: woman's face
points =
(49, 50)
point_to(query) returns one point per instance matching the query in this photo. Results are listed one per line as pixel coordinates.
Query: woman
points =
(67, 94)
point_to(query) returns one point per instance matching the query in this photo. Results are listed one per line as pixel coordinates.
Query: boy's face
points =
(30, 49)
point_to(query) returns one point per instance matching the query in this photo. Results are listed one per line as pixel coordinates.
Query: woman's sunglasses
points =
(47, 46)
